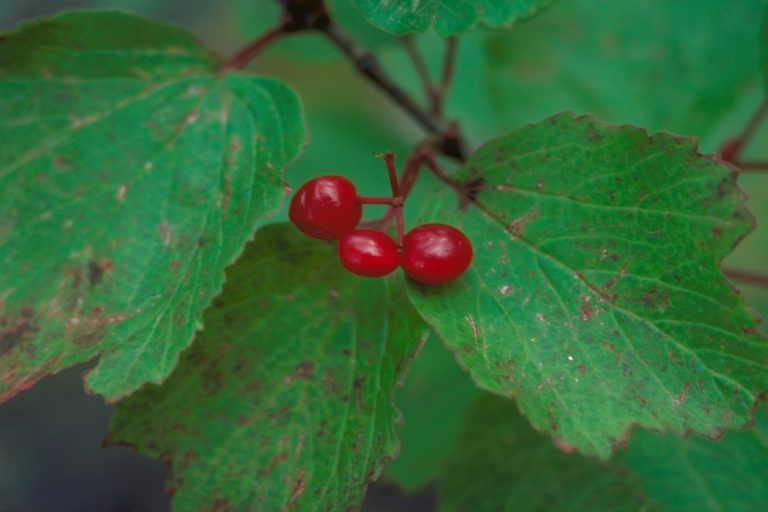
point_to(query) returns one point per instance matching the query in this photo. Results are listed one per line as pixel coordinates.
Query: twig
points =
(449, 140)
(449, 64)
(242, 57)
(433, 166)
(746, 276)
(369, 67)
(752, 166)
(430, 91)
(731, 149)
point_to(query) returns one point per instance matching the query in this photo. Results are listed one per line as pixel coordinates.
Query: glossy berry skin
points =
(368, 253)
(435, 253)
(326, 207)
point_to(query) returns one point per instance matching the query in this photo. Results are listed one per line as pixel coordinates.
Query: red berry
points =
(368, 253)
(435, 253)
(326, 207)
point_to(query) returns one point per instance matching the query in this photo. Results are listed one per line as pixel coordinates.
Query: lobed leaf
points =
(448, 17)
(689, 68)
(131, 173)
(499, 463)
(596, 296)
(433, 400)
(697, 474)
(285, 399)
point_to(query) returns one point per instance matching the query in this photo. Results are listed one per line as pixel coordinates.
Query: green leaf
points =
(433, 400)
(131, 173)
(448, 17)
(764, 46)
(676, 66)
(285, 399)
(500, 464)
(728, 475)
(595, 295)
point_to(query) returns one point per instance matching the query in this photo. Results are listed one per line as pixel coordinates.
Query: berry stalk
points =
(397, 195)
(244, 56)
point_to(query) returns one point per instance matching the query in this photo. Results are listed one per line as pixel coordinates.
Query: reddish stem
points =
(746, 277)
(752, 166)
(389, 159)
(429, 159)
(397, 196)
(731, 149)
(378, 200)
(422, 154)
(242, 57)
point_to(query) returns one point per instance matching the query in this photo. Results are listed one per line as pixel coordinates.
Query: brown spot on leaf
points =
(303, 371)
(62, 162)
(610, 346)
(16, 329)
(471, 321)
(724, 187)
(227, 193)
(585, 306)
(220, 505)
(298, 489)
(96, 270)
(517, 225)
(165, 233)
(682, 395)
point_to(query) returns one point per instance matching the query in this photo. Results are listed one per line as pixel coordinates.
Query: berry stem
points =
(397, 196)
(389, 159)
(746, 277)
(422, 154)
(378, 200)
(244, 56)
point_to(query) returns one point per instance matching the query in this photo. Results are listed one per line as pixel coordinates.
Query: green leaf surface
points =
(448, 17)
(697, 474)
(285, 399)
(501, 464)
(764, 46)
(131, 173)
(595, 295)
(434, 399)
(671, 65)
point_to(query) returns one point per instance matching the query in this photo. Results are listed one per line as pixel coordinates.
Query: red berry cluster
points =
(329, 208)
